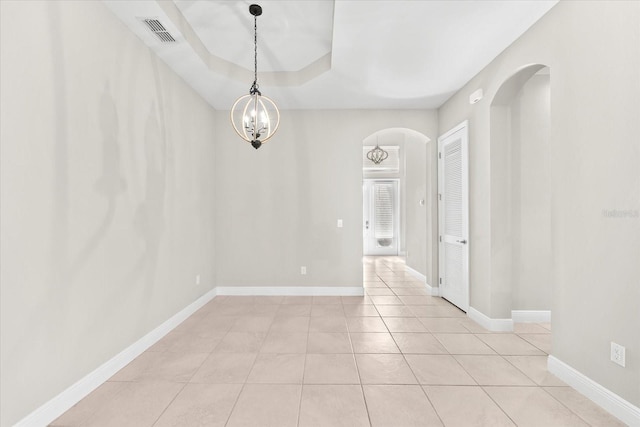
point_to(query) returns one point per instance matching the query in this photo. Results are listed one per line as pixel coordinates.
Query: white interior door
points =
(380, 217)
(453, 215)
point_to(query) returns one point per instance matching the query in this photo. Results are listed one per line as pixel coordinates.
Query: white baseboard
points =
(494, 325)
(611, 402)
(433, 290)
(416, 274)
(531, 316)
(291, 290)
(57, 406)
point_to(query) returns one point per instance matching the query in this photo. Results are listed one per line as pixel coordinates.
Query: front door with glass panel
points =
(380, 220)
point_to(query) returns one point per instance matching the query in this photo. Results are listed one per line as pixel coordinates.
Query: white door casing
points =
(453, 215)
(380, 217)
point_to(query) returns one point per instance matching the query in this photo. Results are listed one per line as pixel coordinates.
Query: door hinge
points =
(439, 155)
(439, 196)
(440, 238)
(440, 281)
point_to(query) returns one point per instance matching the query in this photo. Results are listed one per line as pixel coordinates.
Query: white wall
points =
(107, 195)
(281, 202)
(592, 49)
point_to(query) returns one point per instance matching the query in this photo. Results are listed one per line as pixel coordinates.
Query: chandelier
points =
(255, 117)
(377, 155)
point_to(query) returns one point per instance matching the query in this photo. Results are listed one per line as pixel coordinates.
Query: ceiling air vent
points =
(159, 30)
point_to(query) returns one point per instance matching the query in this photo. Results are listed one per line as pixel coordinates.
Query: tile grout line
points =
(420, 386)
(414, 374)
(540, 386)
(97, 410)
(416, 377)
(355, 362)
(430, 402)
(563, 404)
(304, 367)
(192, 375)
(170, 402)
(235, 403)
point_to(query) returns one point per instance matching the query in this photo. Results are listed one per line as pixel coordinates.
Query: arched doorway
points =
(408, 159)
(522, 256)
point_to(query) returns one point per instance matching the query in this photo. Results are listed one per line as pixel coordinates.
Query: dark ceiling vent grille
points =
(159, 30)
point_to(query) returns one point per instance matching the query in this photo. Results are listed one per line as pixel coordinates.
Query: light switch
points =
(339, 223)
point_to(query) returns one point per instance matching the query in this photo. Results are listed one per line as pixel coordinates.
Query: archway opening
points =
(406, 167)
(521, 245)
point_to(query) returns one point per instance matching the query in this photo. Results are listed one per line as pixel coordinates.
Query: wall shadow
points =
(110, 183)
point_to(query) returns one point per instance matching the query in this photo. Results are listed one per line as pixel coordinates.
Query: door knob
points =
(464, 242)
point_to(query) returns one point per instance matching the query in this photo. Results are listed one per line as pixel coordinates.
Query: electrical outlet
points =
(339, 223)
(303, 270)
(617, 354)
(197, 279)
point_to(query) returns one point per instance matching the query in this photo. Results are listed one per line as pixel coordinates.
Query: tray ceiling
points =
(332, 54)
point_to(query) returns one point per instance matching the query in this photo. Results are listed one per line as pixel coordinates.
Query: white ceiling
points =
(327, 54)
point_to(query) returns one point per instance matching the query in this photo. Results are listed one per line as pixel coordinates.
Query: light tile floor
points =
(396, 357)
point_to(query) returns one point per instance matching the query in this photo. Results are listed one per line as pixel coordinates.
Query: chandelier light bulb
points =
(259, 117)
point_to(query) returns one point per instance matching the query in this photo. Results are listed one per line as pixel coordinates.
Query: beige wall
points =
(422, 220)
(592, 49)
(415, 189)
(107, 195)
(279, 204)
(532, 274)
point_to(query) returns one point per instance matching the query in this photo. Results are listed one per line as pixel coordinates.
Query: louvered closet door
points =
(454, 216)
(380, 217)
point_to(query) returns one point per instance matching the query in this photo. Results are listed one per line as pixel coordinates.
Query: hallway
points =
(395, 357)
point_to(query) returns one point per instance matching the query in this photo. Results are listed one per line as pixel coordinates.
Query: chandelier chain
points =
(254, 87)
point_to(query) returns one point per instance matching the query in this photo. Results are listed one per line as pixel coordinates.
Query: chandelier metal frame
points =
(377, 155)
